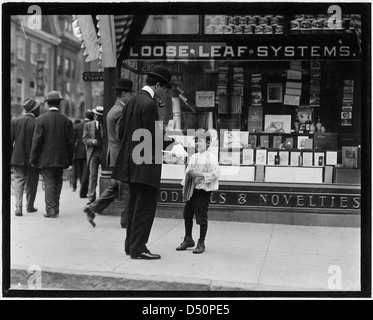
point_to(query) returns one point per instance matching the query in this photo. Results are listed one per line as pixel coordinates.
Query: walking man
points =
(24, 175)
(52, 151)
(92, 138)
(83, 192)
(140, 115)
(117, 189)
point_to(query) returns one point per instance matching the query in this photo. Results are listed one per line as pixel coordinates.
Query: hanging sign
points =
(93, 76)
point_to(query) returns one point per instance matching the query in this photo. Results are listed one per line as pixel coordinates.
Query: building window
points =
(32, 89)
(33, 52)
(59, 65)
(67, 67)
(21, 48)
(73, 69)
(19, 90)
(45, 50)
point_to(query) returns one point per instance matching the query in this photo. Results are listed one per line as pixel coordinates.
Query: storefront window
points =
(172, 24)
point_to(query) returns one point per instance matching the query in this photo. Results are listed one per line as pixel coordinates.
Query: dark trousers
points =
(77, 174)
(85, 181)
(94, 164)
(118, 190)
(141, 212)
(52, 178)
(197, 206)
(25, 178)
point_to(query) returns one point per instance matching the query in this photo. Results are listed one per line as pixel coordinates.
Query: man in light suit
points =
(24, 175)
(117, 189)
(92, 138)
(141, 113)
(52, 151)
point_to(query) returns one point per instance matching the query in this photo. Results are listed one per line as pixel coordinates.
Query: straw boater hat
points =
(99, 110)
(163, 73)
(53, 96)
(124, 84)
(30, 105)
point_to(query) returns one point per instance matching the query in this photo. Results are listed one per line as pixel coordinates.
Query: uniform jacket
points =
(112, 124)
(22, 130)
(141, 112)
(79, 151)
(89, 133)
(53, 141)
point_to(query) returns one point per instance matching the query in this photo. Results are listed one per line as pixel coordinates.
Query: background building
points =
(45, 56)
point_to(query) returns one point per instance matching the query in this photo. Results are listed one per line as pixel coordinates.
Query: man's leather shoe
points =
(50, 215)
(33, 209)
(90, 215)
(18, 212)
(147, 255)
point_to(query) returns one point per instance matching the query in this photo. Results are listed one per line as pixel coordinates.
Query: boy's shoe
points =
(200, 247)
(187, 243)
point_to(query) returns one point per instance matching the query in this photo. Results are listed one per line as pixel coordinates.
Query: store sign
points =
(40, 79)
(271, 199)
(93, 76)
(336, 48)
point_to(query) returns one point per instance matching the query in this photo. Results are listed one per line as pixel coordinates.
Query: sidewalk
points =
(73, 255)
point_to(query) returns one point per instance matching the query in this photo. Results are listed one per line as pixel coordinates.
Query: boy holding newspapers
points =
(201, 178)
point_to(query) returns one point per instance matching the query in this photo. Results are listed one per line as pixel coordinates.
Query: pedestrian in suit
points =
(141, 113)
(79, 157)
(52, 151)
(24, 175)
(117, 189)
(85, 174)
(92, 138)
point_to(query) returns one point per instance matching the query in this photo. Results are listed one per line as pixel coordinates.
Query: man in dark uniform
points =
(24, 175)
(52, 151)
(117, 189)
(140, 115)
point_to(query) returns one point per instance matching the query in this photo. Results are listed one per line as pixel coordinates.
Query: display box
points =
(264, 141)
(229, 156)
(277, 140)
(331, 158)
(289, 143)
(325, 141)
(284, 158)
(261, 157)
(253, 140)
(347, 175)
(274, 123)
(236, 173)
(308, 144)
(247, 157)
(319, 159)
(294, 158)
(235, 139)
(301, 142)
(328, 174)
(350, 157)
(271, 157)
(307, 159)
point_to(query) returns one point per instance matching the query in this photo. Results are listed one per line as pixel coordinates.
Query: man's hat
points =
(53, 96)
(89, 114)
(99, 110)
(30, 105)
(124, 84)
(161, 73)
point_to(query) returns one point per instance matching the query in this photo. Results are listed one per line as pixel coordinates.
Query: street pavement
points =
(67, 253)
